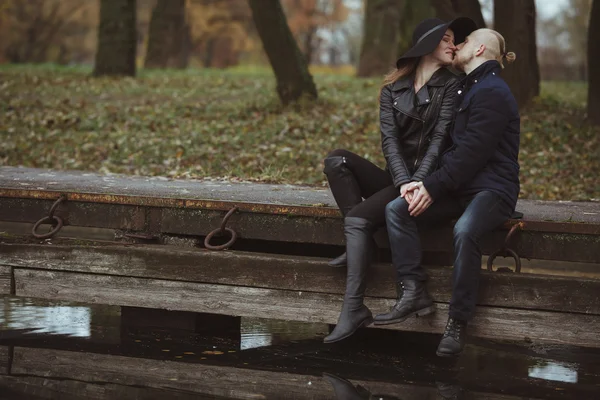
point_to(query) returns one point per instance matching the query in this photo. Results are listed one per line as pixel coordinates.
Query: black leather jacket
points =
(414, 127)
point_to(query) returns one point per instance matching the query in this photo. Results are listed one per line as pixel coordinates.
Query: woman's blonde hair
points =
(407, 68)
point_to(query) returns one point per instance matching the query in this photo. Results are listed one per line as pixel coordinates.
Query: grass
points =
(229, 124)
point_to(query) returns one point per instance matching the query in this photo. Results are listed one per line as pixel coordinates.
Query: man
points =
(478, 182)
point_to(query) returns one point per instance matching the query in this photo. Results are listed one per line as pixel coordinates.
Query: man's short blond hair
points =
(495, 45)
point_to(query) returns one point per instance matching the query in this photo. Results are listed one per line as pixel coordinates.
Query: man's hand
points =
(421, 199)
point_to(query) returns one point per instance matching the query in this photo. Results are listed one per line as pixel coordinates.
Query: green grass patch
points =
(229, 124)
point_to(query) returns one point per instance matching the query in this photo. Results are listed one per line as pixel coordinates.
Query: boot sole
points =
(419, 313)
(363, 324)
(447, 355)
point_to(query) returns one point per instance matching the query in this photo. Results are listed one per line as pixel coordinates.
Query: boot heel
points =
(425, 311)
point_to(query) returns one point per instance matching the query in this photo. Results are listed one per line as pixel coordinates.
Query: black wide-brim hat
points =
(429, 33)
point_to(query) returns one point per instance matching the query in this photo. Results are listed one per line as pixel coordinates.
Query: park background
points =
(262, 90)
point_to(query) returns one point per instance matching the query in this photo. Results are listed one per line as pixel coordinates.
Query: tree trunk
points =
(471, 9)
(515, 20)
(291, 70)
(117, 38)
(380, 39)
(412, 14)
(594, 64)
(167, 35)
(450, 9)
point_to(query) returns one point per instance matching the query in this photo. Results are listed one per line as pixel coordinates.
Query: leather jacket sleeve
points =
(390, 141)
(440, 132)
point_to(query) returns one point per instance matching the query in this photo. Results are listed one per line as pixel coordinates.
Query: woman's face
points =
(444, 52)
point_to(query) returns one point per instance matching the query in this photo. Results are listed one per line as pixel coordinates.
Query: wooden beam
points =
(34, 388)
(544, 244)
(490, 322)
(305, 274)
(196, 378)
(5, 280)
(4, 360)
(230, 382)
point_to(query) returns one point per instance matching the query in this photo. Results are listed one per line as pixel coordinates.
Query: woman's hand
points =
(404, 190)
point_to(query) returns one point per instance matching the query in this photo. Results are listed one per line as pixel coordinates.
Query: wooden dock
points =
(277, 268)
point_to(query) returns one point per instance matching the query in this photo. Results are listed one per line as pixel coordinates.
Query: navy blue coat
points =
(485, 140)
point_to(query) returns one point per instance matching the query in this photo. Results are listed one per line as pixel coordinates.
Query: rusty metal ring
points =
(507, 252)
(56, 204)
(224, 246)
(226, 218)
(513, 229)
(58, 224)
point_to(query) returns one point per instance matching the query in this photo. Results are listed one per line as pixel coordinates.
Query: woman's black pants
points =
(352, 179)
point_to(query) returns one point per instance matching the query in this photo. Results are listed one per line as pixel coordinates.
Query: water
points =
(75, 351)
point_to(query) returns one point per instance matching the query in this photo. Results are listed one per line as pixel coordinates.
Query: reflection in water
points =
(18, 313)
(554, 371)
(261, 359)
(257, 332)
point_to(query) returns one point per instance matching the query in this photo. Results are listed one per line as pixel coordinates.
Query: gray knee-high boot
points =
(358, 247)
(345, 190)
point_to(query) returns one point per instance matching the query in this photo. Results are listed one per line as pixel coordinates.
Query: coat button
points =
(493, 73)
(427, 100)
(475, 80)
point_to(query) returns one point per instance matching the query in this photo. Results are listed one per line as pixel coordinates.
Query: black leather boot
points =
(354, 313)
(342, 260)
(453, 340)
(413, 299)
(339, 262)
(345, 390)
(345, 190)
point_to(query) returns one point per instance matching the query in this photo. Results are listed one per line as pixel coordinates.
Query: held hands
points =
(406, 194)
(419, 199)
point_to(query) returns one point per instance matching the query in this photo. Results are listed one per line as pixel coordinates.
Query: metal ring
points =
(222, 246)
(226, 218)
(56, 204)
(513, 229)
(507, 252)
(46, 220)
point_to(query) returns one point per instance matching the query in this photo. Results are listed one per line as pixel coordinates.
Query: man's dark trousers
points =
(479, 214)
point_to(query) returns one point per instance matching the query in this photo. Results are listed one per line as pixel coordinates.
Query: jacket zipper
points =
(408, 115)
(427, 114)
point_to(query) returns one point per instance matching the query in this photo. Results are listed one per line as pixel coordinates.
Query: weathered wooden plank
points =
(308, 274)
(4, 360)
(227, 382)
(33, 388)
(490, 322)
(5, 280)
(211, 194)
(532, 244)
(235, 383)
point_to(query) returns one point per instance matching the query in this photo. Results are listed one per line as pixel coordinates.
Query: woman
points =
(416, 109)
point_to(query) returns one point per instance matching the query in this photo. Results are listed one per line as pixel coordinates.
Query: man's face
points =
(463, 54)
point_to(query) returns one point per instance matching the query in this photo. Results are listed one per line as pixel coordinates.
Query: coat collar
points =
(488, 67)
(439, 78)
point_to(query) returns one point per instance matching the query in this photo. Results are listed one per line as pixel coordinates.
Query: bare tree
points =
(594, 64)
(515, 20)
(380, 40)
(117, 38)
(411, 14)
(289, 65)
(450, 9)
(169, 36)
